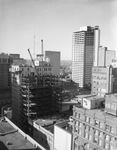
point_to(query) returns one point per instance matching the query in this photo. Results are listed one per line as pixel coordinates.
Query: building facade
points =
(111, 104)
(105, 56)
(42, 134)
(110, 54)
(5, 62)
(85, 44)
(54, 58)
(104, 80)
(5, 82)
(93, 129)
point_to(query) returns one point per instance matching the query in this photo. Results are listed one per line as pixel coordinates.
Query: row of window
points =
(97, 137)
(98, 77)
(111, 105)
(97, 123)
(3, 60)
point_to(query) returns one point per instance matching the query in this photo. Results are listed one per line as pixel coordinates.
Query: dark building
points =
(5, 82)
(33, 96)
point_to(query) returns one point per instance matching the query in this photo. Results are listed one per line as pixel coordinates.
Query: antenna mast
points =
(34, 47)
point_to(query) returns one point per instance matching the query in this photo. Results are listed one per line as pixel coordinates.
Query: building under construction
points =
(34, 96)
(36, 92)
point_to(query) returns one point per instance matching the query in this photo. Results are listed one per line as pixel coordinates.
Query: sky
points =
(54, 21)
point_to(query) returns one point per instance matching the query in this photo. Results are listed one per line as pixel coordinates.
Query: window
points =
(100, 142)
(75, 146)
(90, 137)
(101, 134)
(111, 147)
(106, 146)
(80, 125)
(87, 119)
(112, 141)
(96, 139)
(108, 104)
(101, 125)
(108, 128)
(113, 106)
(96, 132)
(76, 126)
(87, 128)
(76, 115)
(112, 129)
(80, 132)
(96, 123)
(107, 138)
(86, 135)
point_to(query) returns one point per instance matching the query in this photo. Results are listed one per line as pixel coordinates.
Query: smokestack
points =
(42, 48)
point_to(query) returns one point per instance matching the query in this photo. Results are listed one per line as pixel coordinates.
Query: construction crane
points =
(33, 62)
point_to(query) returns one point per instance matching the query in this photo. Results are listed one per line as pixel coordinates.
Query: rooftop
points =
(48, 122)
(11, 138)
(66, 125)
(99, 113)
(94, 97)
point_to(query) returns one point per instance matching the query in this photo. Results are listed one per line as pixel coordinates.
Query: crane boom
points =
(33, 62)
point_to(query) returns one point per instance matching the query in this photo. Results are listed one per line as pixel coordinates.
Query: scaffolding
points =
(40, 96)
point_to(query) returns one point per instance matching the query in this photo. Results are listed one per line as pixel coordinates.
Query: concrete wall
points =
(62, 139)
(43, 136)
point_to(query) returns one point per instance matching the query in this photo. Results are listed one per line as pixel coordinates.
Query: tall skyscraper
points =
(85, 45)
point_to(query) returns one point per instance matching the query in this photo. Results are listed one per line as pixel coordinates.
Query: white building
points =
(85, 44)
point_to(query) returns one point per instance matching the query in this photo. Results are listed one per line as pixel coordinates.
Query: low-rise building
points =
(11, 137)
(95, 128)
(43, 129)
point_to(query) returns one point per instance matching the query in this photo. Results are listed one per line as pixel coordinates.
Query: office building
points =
(110, 54)
(94, 128)
(54, 58)
(102, 56)
(105, 56)
(104, 80)
(85, 44)
(11, 137)
(5, 82)
(5, 62)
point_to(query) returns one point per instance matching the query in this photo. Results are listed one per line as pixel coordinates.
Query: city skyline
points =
(54, 22)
